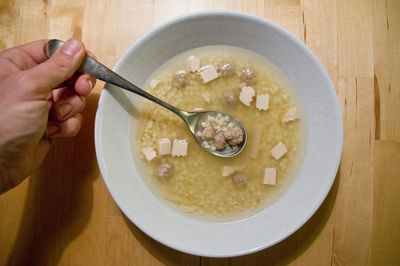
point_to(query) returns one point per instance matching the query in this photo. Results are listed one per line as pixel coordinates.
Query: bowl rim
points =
(310, 55)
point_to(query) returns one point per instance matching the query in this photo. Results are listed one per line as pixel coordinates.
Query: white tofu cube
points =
(193, 64)
(164, 146)
(246, 95)
(206, 97)
(149, 153)
(278, 151)
(290, 115)
(227, 170)
(262, 101)
(208, 73)
(270, 176)
(179, 147)
(154, 83)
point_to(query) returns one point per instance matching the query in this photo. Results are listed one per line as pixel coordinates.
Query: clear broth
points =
(197, 186)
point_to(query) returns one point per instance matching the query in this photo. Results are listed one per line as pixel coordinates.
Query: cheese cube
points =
(290, 115)
(246, 95)
(179, 147)
(206, 97)
(193, 64)
(262, 102)
(164, 146)
(270, 176)
(278, 151)
(154, 83)
(149, 153)
(227, 170)
(208, 73)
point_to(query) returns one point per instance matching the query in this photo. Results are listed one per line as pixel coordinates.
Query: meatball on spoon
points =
(192, 119)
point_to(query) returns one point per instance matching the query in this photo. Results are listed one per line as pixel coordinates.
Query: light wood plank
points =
(286, 14)
(320, 32)
(386, 231)
(354, 203)
(165, 10)
(386, 67)
(352, 240)
(8, 19)
(355, 38)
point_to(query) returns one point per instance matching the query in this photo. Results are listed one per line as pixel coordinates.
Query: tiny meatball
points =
(165, 171)
(229, 98)
(248, 76)
(226, 69)
(240, 180)
(208, 133)
(234, 135)
(180, 79)
(219, 141)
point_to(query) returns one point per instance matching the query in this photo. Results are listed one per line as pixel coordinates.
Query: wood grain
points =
(354, 205)
(64, 214)
(386, 66)
(386, 232)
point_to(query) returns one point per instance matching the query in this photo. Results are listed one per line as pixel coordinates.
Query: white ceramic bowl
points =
(290, 211)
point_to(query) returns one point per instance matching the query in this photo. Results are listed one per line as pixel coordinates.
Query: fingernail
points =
(90, 84)
(71, 47)
(63, 110)
(51, 129)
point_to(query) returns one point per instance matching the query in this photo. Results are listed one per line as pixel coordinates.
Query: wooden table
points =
(65, 215)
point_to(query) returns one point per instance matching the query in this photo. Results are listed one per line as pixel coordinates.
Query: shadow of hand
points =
(60, 197)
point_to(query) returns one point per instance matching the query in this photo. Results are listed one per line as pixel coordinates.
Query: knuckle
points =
(76, 125)
(69, 128)
(82, 104)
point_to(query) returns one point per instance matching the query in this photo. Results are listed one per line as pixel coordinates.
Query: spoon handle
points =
(94, 68)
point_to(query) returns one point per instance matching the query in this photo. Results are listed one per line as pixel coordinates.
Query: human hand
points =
(40, 99)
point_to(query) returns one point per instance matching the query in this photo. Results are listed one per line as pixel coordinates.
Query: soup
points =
(238, 82)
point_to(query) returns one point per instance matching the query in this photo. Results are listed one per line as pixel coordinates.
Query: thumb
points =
(60, 67)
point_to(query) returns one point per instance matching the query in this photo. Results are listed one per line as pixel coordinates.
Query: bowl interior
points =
(117, 112)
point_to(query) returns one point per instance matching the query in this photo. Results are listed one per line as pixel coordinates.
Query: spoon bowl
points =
(194, 123)
(92, 67)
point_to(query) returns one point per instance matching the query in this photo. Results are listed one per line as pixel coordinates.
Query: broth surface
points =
(197, 185)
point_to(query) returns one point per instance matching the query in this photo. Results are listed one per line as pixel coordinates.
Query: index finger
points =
(35, 50)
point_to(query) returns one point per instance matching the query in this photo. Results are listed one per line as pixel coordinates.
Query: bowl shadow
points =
(165, 255)
(284, 252)
(59, 198)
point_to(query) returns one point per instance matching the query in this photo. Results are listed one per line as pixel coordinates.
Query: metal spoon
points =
(192, 119)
